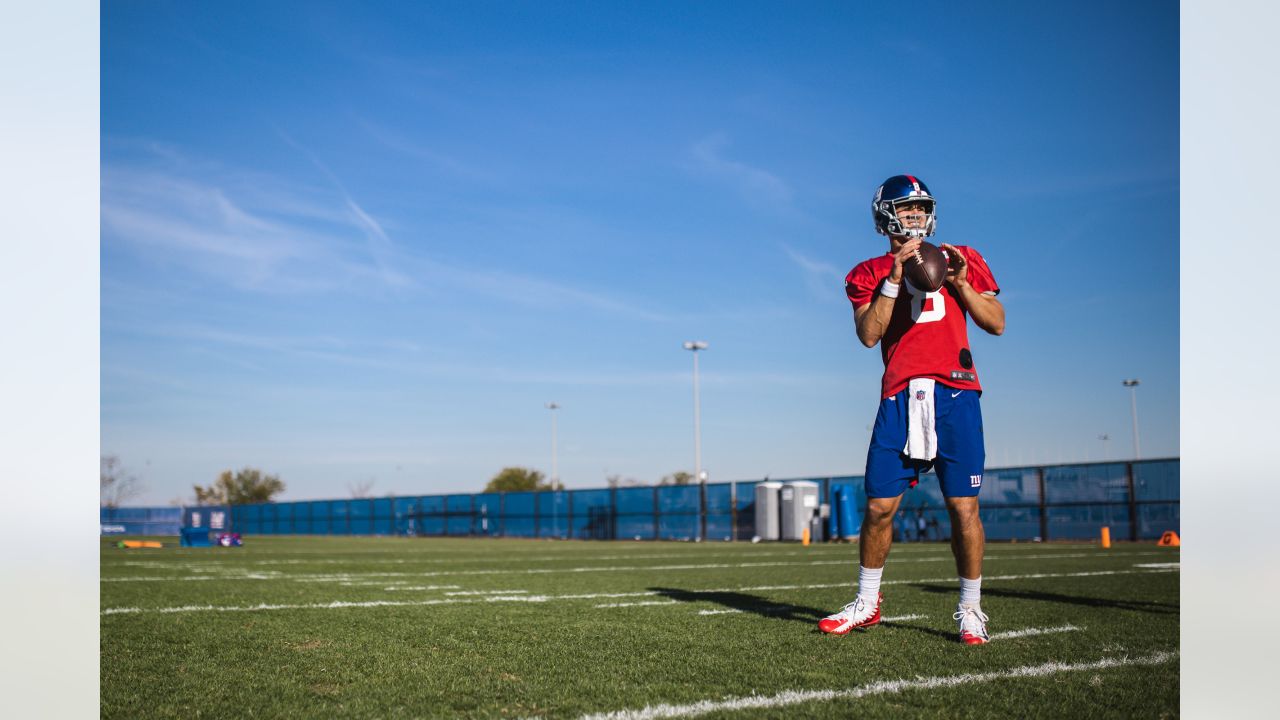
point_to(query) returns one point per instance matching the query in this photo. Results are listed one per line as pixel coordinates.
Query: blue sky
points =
(348, 242)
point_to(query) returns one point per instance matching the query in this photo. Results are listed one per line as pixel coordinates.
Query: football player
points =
(929, 415)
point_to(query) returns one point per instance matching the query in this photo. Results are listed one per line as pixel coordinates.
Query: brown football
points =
(928, 269)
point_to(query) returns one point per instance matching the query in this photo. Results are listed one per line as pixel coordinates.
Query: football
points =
(928, 269)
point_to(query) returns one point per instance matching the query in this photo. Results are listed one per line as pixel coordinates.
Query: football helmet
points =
(899, 190)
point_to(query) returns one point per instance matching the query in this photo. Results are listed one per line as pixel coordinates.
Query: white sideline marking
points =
(1157, 565)
(348, 577)
(883, 687)
(188, 563)
(265, 606)
(826, 586)
(636, 604)
(467, 556)
(1028, 632)
(383, 583)
(548, 598)
(896, 618)
(475, 592)
(339, 577)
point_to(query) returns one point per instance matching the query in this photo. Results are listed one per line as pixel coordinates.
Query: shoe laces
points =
(972, 620)
(856, 608)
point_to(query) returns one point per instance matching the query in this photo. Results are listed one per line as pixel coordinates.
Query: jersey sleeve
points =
(860, 285)
(980, 276)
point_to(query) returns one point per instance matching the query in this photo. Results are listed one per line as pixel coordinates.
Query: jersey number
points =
(920, 300)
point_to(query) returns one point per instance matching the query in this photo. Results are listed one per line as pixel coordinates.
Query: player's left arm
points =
(987, 312)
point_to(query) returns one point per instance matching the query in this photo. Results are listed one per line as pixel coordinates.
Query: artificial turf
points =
(435, 627)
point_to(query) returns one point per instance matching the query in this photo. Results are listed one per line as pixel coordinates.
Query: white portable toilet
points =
(799, 503)
(767, 510)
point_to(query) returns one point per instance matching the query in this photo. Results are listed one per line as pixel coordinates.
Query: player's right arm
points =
(872, 319)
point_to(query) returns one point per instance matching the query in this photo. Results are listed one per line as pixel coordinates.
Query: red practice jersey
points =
(928, 334)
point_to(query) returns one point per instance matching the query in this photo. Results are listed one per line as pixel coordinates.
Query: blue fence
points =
(140, 521)
(1137, 500)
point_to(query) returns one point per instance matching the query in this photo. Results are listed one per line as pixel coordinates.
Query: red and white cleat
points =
(973, 624)
(857, 614)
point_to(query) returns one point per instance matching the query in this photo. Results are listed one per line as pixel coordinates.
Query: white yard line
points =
(349, 577)
(883, 687)
(190, 561)
(1029, 632)
(513, 596)
(266, 606)
(1157, 565)
(636, 604)
(727, 611)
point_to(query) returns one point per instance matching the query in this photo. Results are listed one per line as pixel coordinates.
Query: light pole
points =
(1133, 404)
(555, 469)
(694, 346)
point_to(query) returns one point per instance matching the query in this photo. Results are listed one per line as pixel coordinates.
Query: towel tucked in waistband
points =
(922, 439)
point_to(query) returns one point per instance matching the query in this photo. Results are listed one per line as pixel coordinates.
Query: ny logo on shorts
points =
(975, 481)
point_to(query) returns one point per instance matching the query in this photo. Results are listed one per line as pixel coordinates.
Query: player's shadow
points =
(742, 602)
(1147, 606)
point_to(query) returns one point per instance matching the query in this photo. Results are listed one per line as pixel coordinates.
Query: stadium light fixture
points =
(1133, 404)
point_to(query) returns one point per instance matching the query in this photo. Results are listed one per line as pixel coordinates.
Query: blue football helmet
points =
(899, 190)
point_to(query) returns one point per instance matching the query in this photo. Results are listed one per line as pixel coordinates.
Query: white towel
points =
(922, 439)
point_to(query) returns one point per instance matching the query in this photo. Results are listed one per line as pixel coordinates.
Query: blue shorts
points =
(961, 453)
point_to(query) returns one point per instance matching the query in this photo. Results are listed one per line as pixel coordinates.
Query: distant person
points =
(929, 414)
(935, 532)
(920, 524)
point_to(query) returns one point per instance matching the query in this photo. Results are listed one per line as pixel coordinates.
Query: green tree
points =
(678, 477)
(615, 481)
(243, 487)
(517, 479)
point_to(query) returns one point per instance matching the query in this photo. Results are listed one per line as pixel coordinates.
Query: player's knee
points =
(879, 515)
(965, 514)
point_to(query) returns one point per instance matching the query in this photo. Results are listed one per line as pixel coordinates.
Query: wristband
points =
(889, 289)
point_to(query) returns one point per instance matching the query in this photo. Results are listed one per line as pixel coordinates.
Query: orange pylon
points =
(1169, 539)
(1106, 537)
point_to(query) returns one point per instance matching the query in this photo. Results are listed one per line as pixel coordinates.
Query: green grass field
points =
(413, 628)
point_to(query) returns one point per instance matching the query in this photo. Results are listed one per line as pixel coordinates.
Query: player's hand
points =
(908, 249)
(957, 266)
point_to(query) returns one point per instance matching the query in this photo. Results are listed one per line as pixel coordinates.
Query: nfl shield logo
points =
(920, 395)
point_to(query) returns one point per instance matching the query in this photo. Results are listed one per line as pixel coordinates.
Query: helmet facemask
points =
(893, 224)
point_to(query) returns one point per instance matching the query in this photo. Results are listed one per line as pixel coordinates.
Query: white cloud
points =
(823, 279)
(260, 233)
(755, 184)
(172, 220)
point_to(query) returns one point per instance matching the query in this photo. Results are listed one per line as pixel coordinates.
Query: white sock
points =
(869, 583)
(971, 591)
